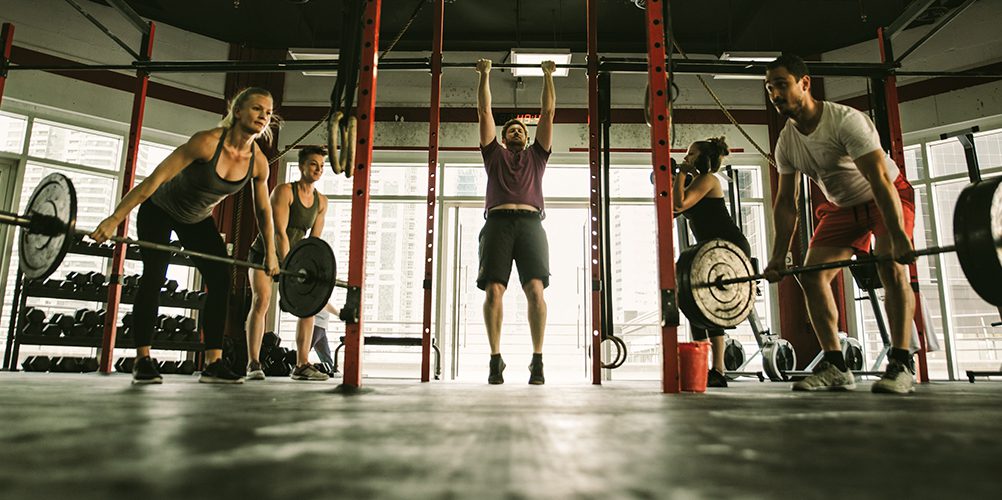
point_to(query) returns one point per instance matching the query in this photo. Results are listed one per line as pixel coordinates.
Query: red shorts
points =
(853, 226)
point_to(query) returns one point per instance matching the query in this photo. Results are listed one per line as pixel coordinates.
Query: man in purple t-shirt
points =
(514, 211)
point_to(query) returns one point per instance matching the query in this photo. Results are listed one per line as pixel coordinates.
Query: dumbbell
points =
(171, 286)
(127, 319)
(86, 317)
(186, 367)
(270, 339)
(52, 284)
(78, 330)
(34, 315)
(168, 367)
(186, 324)
(67, 285)
(124, 365)
(36, 364)
(78, 279)
(65, 364)
(166, 323)
(125, 332)
(31, 329)
(194, 296)
(88, 365)
(290, 358)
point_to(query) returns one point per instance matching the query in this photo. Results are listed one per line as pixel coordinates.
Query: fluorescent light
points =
(313, 55)
(749, 56)
(746, 57)
(536, 57)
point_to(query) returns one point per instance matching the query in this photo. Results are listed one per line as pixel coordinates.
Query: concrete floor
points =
(93, 436)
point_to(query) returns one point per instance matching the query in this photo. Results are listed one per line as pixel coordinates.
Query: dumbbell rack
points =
(23, 289)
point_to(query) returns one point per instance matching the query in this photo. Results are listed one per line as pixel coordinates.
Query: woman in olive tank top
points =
(701, 202)
(179, 196)
(298, 210)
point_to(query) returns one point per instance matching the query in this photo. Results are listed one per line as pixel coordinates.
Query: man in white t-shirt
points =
(839, 149)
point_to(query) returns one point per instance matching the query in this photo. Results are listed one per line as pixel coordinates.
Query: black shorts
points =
(255, 257)
(513, 235)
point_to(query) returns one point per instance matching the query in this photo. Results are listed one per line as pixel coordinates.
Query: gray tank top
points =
(301, 219)
(191, 195)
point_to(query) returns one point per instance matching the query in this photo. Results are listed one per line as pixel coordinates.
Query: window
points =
(12, 128)
(75, 145)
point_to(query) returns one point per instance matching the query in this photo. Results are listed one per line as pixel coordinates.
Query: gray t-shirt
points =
(827, 155)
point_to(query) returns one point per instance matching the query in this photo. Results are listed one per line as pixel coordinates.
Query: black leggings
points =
(155, 225)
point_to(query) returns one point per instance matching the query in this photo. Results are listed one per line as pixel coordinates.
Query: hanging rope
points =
(727, 113)
(343, 93)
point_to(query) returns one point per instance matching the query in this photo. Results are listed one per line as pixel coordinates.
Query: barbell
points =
(48, 227)
(716, 280)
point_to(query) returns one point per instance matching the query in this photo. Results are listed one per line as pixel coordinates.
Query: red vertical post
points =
(118, 256)
(6, 40)
(898, 155)
(433, 127)
(660, 148)
(366, 115)
(595, 202)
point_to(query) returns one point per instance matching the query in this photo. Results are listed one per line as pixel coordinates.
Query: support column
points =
(366, 111)
(6, 40)
(433, 128)
(128, 179)
(594, 202)
(897, 148)
(660, 148)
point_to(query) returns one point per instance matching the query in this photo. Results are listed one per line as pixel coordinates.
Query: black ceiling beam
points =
(942, 23)
(130, 15)
(911, 13)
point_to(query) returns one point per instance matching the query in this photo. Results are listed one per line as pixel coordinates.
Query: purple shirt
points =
(514, 177)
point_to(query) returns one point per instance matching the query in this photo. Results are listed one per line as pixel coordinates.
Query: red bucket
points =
(693, 365)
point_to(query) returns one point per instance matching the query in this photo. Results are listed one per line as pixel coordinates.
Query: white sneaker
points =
(826, 377)
(898, 379)
(254, 371)
(308, 372)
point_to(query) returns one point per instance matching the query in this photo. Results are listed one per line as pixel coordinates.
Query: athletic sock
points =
(836, 358)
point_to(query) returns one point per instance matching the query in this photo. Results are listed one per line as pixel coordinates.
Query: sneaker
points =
(145, 372)
(898, 379)
(308, 372)
(497, 369)
(826, 377)
(254, 371)
(219, 372)
(536, 373)
(716, 379)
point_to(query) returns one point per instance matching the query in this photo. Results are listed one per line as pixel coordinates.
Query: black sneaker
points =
(219, 372)
(536, 373)
(716, 379)
(145, 371)
(497, 368)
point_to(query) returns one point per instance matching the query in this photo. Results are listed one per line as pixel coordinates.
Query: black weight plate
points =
(778, 358)
(853, 352)
(41, 254)
(734, 354)
(977, 225)
(305, 297)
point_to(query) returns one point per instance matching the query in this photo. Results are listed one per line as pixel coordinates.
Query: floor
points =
(95, 436)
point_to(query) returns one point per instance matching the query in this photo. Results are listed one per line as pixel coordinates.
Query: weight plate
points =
(41, 254)
(714, 307)
(304, 296)
(977, 225)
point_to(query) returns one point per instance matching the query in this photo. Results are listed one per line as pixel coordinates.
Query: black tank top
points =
(709, 219)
